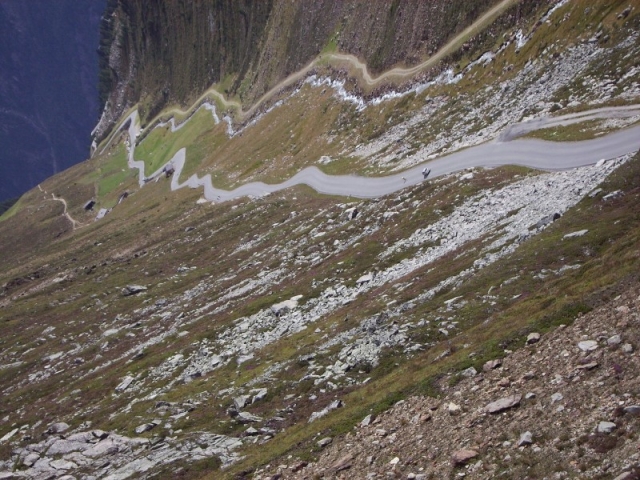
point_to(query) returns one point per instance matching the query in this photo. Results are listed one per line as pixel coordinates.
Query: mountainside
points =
(165, 53)
(48, 94)
(420, 268)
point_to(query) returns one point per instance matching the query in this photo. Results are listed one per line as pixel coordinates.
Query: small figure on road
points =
(168, 170)
(425, 172)
(404, 179)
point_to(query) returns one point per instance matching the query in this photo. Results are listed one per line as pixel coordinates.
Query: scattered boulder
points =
(462, 457)
(613, 195)
(588, 345)
(59, 427)
(614, 340)
(324, 442)
(285, 306)
(579, 233)
(126, 382)
(145, 427)
(332, 406)
(259, 394)
(503, 404)
(525, 439)
(556, 397)
(8, 435)
(366, 421)
(133, 290)
(364, 279)
(453, 409)
(246, 417)
(606, 427)
(533, 338)
(242, 401)
(492, 365)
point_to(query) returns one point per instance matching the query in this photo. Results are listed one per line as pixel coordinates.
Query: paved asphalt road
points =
(532, 153)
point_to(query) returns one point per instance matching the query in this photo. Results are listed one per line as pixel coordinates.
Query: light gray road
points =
(527, 152)
(532, 153)
(519, 129)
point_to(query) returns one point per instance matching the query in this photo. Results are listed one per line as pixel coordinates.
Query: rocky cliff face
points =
(162, 53)
(48, 97)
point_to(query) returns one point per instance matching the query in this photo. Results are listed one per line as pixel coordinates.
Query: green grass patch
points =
(160, 145)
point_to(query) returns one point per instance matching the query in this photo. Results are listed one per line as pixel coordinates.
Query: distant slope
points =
(48, 94)
(170, 53)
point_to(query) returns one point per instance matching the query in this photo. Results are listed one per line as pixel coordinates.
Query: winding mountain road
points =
(532, 153)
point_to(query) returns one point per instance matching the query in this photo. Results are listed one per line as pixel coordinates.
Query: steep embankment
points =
(170, 53)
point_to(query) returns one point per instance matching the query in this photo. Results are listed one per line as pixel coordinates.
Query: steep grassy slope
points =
(174, 327)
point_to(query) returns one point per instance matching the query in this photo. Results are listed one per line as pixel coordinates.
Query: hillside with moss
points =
(161, 316)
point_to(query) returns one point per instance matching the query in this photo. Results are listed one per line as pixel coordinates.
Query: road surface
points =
(532, 153)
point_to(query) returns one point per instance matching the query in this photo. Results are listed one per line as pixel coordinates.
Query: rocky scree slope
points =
(565, 405)
(163, 366)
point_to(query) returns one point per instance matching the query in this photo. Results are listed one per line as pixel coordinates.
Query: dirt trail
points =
(403, 73)
(74, 223)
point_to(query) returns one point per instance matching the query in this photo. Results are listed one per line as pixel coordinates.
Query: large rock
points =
(606, 427)
(246, 417)
(284, 307)
(8, 435)
(100, 449)
(260, 394)
(588, 345)
(525, 439)
(59, 427)
(133, 290)
(492, 365)
(62, 447)
(533, 338)
(461, 457)
(241, 401)
(503, 404)
(324, 442)
(126, 381)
